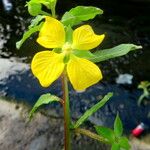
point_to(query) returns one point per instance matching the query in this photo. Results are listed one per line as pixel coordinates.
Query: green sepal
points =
(79, 14)
(105, 132)
(118, 127)
(44, 99)
(92, 110)
(116, 51)
(83, 54)
(69, 33)
(57, 50)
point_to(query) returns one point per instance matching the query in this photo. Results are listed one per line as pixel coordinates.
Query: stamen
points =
(67, 48)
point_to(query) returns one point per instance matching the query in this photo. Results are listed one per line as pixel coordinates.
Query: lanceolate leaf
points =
(27, 34)
(92, 110)
(80, 13)
(118, 128)
(36, 20)
(124, 143)
(116, 51)
(44, 99)
(106, 133)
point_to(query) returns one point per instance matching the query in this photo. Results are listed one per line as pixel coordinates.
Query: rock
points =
(16, 133)
(11, 67)
(139, 144)
(39, 143)
(124, 79)
(42, 133)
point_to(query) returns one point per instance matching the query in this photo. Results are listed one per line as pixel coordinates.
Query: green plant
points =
(114, 137)
(145, 86)
(67, 56)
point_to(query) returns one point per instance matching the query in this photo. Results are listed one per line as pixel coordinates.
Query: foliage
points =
(35, 6)
(26, 35)
(43, 100)
(115, 137)
(71, 58)
(92, 110)
(79, 14)
(117, 51)
(145, 86)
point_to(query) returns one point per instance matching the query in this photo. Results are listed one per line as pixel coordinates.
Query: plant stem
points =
(66, 107)
(91, 135)
(44, 13)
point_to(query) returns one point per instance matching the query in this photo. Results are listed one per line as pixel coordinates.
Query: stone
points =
(43, 132)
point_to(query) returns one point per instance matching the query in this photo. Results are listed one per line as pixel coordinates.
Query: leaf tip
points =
(136, 47)
(139, 47)
(110, 94)
(18, 45)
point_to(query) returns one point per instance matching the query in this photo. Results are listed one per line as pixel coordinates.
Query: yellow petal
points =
(52, 34)
(84, 38)
(82, 73)
(47, 66)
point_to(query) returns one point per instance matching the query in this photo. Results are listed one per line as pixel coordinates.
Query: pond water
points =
(122, 24)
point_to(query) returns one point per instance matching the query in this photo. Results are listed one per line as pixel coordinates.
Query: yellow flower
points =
(47, 66)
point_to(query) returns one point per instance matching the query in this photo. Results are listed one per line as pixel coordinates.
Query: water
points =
(17, 81)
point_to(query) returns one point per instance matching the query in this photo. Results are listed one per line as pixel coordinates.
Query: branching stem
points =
(91, 135)
(66, 108)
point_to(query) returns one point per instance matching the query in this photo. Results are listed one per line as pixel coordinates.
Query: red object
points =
(138, 130)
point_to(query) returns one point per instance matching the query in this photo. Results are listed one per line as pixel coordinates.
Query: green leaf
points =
(35, 21)
(124, 143)
(118, 127)
(143, 85)
(44, 2)
(27, 34)
(106, 133)
(80, 13)
(47, 3)
(34, 8)
(115, 146)
(44, 99)
(92, 110)
(83, 54)
(116, 51)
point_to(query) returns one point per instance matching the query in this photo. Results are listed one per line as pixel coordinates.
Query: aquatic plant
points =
(68, 56)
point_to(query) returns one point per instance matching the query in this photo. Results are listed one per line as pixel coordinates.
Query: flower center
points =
(67, 48)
